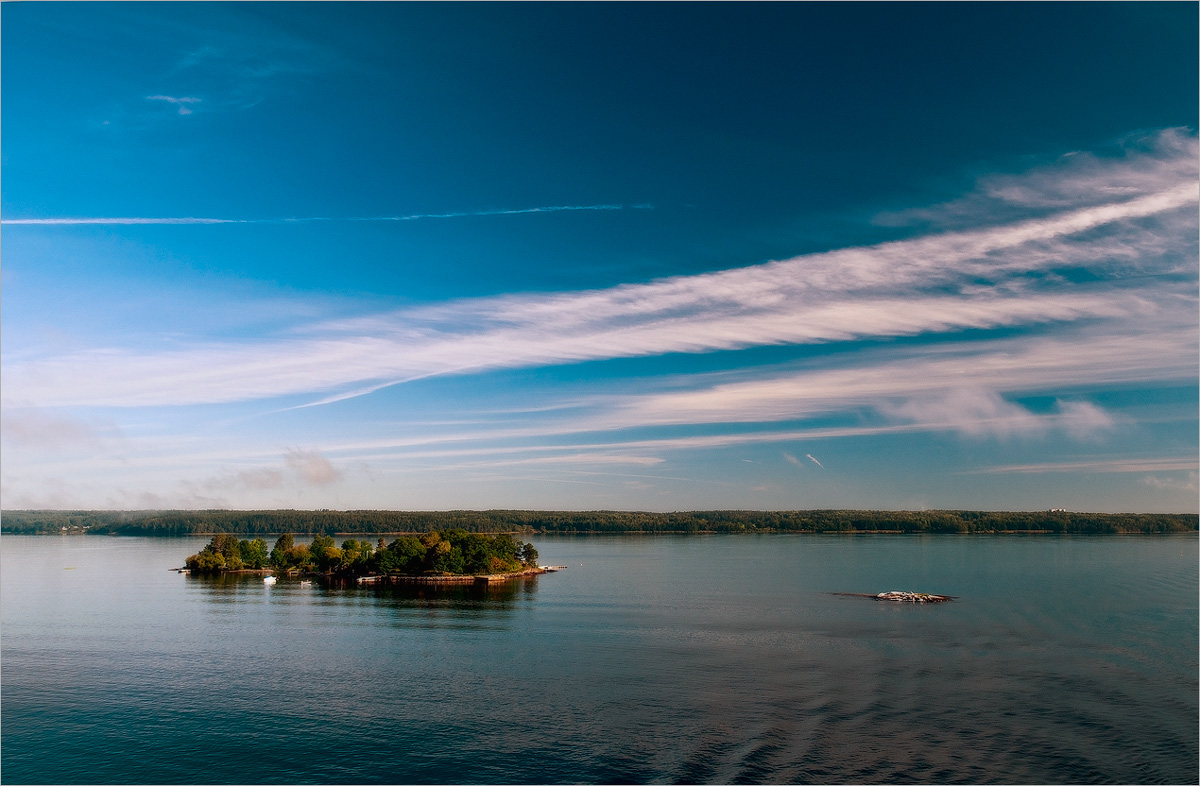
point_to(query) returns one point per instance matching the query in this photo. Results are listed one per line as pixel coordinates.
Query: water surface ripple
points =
(722, 659)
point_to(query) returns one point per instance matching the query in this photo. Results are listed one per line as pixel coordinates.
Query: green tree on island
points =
(283, 544)
(253, 553)
(225, 552)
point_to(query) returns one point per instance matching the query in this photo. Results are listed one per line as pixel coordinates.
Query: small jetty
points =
(900, 596)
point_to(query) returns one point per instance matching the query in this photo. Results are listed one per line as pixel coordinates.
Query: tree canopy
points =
(455, 552)
(226, 552)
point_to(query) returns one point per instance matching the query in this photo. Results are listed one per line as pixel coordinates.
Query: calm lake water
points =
(658, 659)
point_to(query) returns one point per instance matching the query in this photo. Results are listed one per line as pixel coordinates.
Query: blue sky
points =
(579, 256)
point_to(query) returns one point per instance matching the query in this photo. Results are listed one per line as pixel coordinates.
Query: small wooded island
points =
(433, 557)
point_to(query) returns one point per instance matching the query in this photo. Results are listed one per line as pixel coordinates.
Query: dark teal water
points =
(659, 659)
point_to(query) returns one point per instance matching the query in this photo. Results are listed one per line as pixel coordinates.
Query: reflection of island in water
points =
(457, 596)
(447, 558)
(458, 607)
(246, 583)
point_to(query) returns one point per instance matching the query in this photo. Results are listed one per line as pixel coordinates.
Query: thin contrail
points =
(551, 209)
(74, 221)
(814, 460)
(413, 217)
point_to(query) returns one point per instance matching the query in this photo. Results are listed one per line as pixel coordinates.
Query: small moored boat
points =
(898, 596)
(269, 580)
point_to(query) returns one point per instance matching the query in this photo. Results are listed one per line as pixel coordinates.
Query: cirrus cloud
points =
(1126, 266)
(183, 102)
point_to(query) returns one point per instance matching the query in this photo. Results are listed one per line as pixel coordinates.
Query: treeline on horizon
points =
(375, 522)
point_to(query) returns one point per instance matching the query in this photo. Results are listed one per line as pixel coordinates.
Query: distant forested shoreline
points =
(376, 522)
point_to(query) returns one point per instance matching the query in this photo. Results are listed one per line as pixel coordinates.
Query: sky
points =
(580, 256)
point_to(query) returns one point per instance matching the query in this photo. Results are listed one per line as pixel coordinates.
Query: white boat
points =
(898, 596)
(268, 580)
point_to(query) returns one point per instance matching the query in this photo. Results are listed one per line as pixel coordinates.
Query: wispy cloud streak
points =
(120, 221)
(183, 102)
(1137, 168)
(1135, 466)
(519, 211)
(961, 387)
